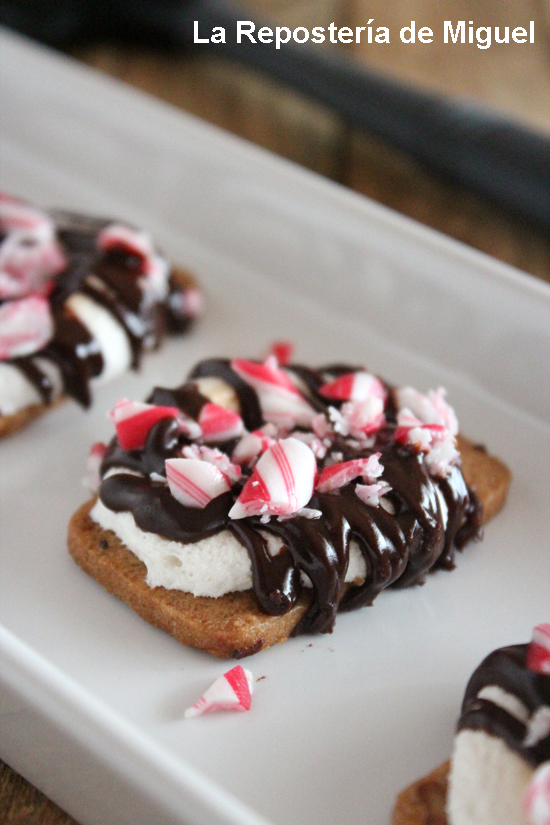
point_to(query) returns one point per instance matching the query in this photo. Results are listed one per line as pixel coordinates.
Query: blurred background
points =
(512, 80)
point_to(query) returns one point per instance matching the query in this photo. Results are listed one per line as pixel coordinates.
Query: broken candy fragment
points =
(281, 402)
(133, 420)
(219, 424)
(281, 484)
(232, 691)
(193, 482)
(538, 653)
(354, 386)
(26, 325)
(338, 475)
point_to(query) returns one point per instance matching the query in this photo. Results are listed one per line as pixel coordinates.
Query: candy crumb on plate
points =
(232, 691)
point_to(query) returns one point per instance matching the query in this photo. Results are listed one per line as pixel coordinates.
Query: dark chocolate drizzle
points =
(399, 548)
(506, 668)
(110, 278)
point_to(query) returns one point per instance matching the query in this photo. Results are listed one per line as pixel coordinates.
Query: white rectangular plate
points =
(92, 697)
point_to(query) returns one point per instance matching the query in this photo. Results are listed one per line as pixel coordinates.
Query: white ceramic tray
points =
(92, 698)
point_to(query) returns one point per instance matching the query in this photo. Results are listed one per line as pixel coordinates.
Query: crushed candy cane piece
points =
(354, 386)
(26, 325)
(132, 241)
(358, 419)
(428, 409)
(283, 351)
(134, 419)
(193, 482)
(537, 799)
(219, 424)
(372, 493)
(282, 481)
(253, 445)
(538, 652)
(92, 479)
(215, 457)
(232, 691)
(30, 254)
(435, 440)
(281, 401)
(338, 475)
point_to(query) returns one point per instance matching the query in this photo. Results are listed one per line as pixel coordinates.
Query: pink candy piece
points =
(435, 440)
(372, 493)
(354, 386)
(219, 424)
(30, 254)
(283, 351)
(193, 482)
(93, 464)
(232, 691)
(252, 445)
(280, 400)
(26, 325)
(338, 475)
(538, 653)
(358, 419)
(215, 457)
(537, 800)
(133, 420)
(428, 409)
(282, 482)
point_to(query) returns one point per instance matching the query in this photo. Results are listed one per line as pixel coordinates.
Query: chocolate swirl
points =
(506, 669)
(399, 543)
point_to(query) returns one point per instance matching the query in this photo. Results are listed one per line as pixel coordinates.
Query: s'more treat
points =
(499, 773)
(259, 498)
(80, 300)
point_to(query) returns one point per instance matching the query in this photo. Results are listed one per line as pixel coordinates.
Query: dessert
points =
(80, 300)
(258, 498)
(499, 773)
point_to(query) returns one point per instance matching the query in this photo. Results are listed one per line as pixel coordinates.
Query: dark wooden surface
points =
(515, 81)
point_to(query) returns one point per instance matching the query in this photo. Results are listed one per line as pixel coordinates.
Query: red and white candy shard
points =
(193, 482)
(283, 351)
(537, 800)
(428, 409)
(30, 254)
(338, 475)
(26, 325)
(232, 691)
(358, 419)
(372, 493)
(92, 479)
(219, 424)
(281, 484)
(435, 440)
(215, 457)
(254, 444)
(538, 652)
(133, 420)
(281, 402)
(354, 386)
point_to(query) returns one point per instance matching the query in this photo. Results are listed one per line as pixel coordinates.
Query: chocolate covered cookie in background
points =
(499, 772)
(81, 299)
(259, 498)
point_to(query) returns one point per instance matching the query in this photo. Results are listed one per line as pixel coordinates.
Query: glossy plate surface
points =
(92, 698)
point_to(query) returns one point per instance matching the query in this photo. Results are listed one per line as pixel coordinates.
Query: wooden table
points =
(513, 79)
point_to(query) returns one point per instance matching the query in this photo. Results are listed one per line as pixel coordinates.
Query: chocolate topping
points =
(400, 543)
(506, 668)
